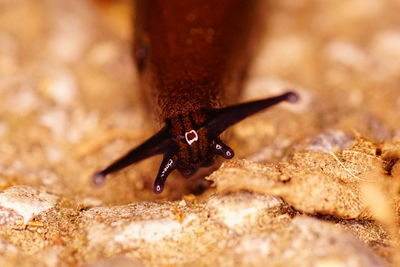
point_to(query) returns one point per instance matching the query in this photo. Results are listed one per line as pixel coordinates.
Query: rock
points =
(236, 229)
(311, 181)
(329, 141)
(25, 201)
(242, 211)
(311, 242)
(119, 261)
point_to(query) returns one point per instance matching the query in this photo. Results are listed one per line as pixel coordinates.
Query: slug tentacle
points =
(159, 143)
(191, 141)
(167, 166)
(226, 117)
(223, 150)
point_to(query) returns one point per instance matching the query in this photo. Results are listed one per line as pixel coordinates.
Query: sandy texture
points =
(312, 184)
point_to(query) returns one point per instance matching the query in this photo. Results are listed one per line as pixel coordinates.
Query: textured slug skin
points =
(193, 54)
(192, 57)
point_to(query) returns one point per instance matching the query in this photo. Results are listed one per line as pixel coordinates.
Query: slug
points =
(192, 57)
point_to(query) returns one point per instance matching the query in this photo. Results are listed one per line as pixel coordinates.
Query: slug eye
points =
(141, 54)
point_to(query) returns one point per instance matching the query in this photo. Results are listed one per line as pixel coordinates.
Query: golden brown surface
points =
(313, 184)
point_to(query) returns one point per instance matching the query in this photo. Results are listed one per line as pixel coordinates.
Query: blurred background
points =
(70, 104)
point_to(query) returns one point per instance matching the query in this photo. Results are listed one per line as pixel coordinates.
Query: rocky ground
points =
(312, 184)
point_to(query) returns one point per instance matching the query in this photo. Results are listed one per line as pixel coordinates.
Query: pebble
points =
(26, 201)
(329, 141)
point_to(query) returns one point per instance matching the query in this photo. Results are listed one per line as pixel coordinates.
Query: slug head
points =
(191, 141)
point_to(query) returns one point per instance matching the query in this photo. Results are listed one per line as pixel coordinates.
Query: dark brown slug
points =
(192, 57)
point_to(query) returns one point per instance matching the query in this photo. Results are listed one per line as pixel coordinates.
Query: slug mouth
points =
(187, 150)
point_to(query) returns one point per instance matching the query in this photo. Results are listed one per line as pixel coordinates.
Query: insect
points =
(192, 57)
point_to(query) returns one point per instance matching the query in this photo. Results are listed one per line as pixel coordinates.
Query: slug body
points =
(192, 57)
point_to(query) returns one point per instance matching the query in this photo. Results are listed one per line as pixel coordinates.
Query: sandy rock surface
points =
(312, 184)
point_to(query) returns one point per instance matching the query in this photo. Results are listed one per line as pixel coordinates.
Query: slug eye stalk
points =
(200, 142)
